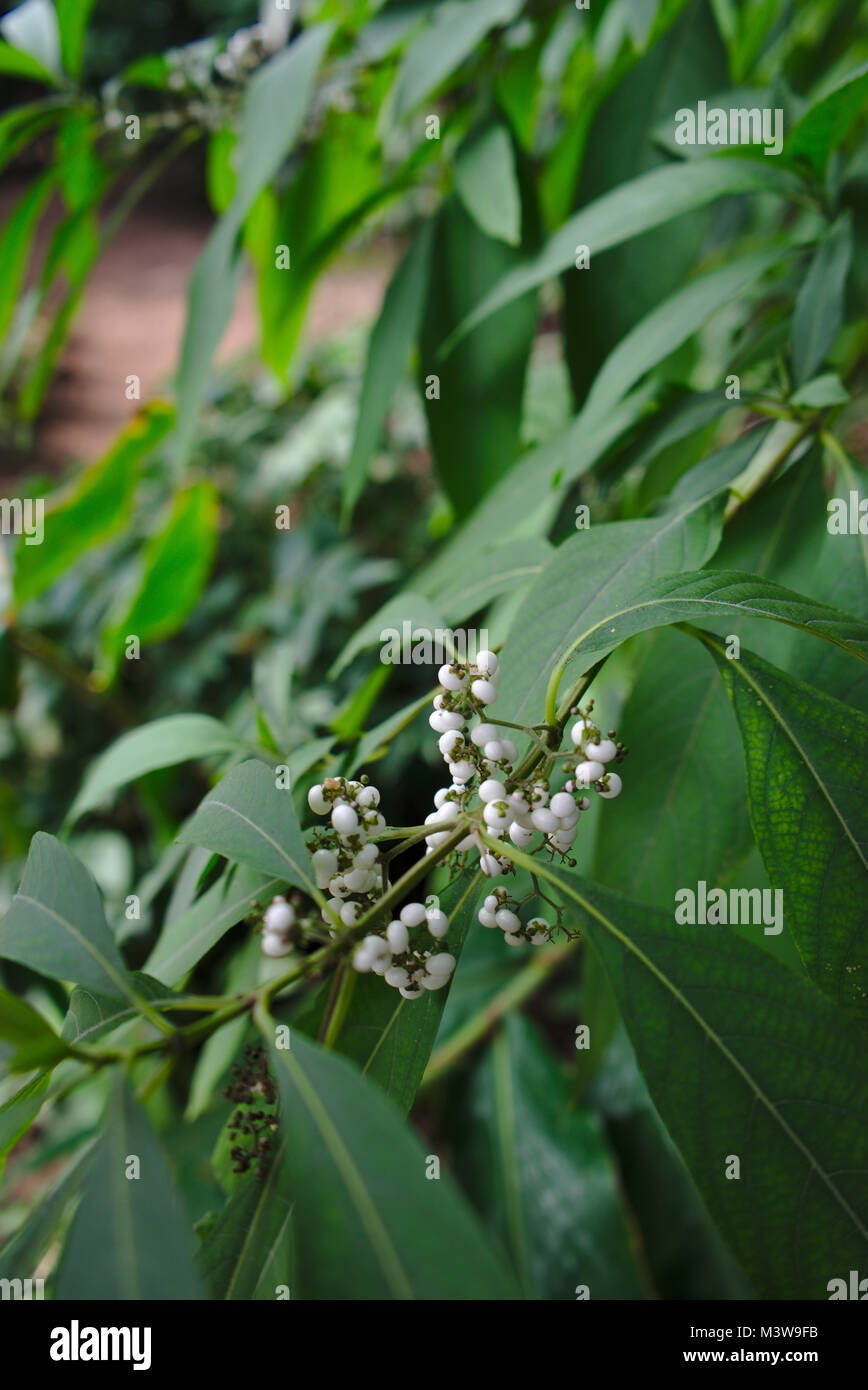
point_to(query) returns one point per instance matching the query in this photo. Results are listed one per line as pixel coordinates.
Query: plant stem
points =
(524, 984)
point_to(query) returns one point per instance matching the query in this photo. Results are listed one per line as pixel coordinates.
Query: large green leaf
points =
(474, 421)
(806, 754)
(819, 310)
(249, 820)
(56, 926)
(367, 1222)
(743, 1058)
(685, 1252)
(539, 1171)
(589, 575)
(683, 811)
(96, 507)
(602, 306)
(130, 1238)
(634, 207)
(391, 339)
(178, 738)
(603, 624)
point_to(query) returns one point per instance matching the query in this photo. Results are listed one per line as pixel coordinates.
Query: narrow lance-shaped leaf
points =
(646, 201)
(188, 937)
(452, 35)
(56, 925)
(391, 339)
(178, 738)
(367, 1222)
(806, 755)
(250, 1243)
(97, 507)
(486, 183)
(131, 1237)
(819, 310)
(249, 820)
(744, 1060)
(539, 1170)
(176, 566)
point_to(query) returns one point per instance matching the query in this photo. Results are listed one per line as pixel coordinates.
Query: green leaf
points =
(130, 1238)
(742, 1057)
(367, 1223)
(20, 64)
(616, 217)
(91, 1016)
(474, 422)
(97, 506)
(72, 18)
(668, 326)
(175, 568)
(487, 183)
(805, 754)
(826, 124)
(191, 935)
(245, 1252)
(819, 310)
(683, 64)
(26, 1039)
(586, 580)
(685, 1252)
(674, 598)
(249, 820)
(276, 100)
(524, 503)
(821, 392)
(220, 1050)
(443, 45)
(683, 811)
(16, 243)
(178, 738)
(391, 340)
(539, 1171)
(56, 926)
(19, 1111)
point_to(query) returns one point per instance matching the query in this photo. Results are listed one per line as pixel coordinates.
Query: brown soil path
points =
(132, 322)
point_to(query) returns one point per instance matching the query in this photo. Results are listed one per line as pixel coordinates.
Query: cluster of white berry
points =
(277, 924)
(500, 910)
(410, 966)
(595, 751)
(345, 861)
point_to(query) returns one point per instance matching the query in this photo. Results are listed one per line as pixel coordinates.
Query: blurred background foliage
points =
(170, 534)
